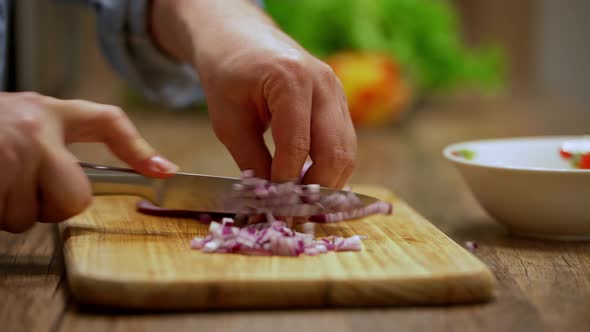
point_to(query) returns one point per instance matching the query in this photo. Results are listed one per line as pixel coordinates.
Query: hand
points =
(254, 76)
(40, 180)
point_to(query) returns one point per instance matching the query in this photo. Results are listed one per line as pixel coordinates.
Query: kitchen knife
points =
(182, 191)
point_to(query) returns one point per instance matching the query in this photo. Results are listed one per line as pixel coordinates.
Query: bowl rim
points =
(449, 148)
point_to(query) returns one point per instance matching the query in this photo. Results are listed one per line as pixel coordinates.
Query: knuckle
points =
(35, 98)
(112, 114)
(340, 158)
(28, 123)
(21, 141)
(327, 75)
(30, 96)
(350, 165)
(291, 67)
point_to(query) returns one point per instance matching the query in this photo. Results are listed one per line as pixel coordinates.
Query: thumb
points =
(86, 121)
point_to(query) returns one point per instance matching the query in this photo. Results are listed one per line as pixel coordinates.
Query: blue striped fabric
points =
(4, 12)
(124, 39)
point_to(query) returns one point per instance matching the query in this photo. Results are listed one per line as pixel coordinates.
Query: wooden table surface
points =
(542, 286)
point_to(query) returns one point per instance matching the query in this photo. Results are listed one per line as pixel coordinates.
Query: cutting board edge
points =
(460, 288)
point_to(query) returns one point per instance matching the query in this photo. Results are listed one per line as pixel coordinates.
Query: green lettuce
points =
(422, 35)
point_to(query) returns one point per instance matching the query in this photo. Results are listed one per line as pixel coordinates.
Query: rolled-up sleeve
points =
(126, 42)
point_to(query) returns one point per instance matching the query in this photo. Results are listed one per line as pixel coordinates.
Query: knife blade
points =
(182, 191)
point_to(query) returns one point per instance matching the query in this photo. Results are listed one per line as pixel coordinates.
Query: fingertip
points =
(156, 166)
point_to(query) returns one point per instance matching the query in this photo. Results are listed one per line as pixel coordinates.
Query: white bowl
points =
(524, 184)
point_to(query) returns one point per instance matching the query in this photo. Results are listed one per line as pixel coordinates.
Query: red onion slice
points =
(149, 208)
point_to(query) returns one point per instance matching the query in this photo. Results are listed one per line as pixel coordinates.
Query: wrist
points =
(170, 32)
(202, 32)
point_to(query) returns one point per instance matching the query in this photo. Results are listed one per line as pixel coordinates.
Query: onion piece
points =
(471, 245)
(352, 243)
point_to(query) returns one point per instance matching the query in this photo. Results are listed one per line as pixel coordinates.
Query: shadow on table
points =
(17, 264)
(30, 265)
(88, 310)
(485, 232)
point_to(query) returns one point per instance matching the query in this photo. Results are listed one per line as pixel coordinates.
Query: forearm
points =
(184, 27)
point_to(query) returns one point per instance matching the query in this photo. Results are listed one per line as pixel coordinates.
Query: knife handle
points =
(107, 180)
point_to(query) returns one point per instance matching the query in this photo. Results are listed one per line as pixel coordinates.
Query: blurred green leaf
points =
(422, 35)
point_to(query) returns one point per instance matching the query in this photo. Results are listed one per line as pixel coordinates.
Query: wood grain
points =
(118, 257)
(31, 277)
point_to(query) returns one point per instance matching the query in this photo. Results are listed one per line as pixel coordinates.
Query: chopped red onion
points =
(359, 212)
(306, 167)
(471, 245)
(258, 196)
(260, 202)
(352, 243)
(270, 238)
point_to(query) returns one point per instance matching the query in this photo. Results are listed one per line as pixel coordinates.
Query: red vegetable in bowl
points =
(565, 154)
(578, 152)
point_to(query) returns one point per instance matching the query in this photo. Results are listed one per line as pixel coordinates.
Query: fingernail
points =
(161, 165)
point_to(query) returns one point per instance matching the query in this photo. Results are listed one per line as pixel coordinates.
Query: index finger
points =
(92, 122)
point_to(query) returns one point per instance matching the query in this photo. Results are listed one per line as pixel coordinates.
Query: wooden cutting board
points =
(117, 257)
